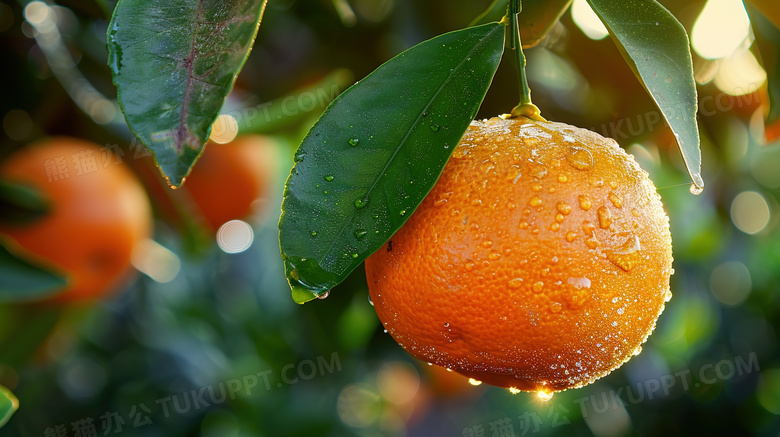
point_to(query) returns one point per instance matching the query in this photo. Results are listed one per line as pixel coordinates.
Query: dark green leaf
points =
(377, 151)
(535, 21)
(656, 47)
(494, 12)
(21, 203)
(768, 41)
(23, 280)
(173, 63)
(8, 405)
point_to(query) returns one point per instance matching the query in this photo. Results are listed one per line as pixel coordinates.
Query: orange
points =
(98, 213)
(230, 181)
(539, 261)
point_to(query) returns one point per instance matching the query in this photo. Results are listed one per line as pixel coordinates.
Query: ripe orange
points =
(540, 260)
(98, 213)
(231, 180)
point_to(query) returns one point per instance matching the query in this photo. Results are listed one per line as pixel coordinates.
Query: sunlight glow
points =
(587, 20)
(721, 28)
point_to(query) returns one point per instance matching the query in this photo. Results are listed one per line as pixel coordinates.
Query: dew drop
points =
(361, 203)
(538, 287)
(627, 256)
(556, 307)
(563, 208)
(668, 296)
(487, 243)
(360, 233)
(354, 142)
(313, 233)
(494, 256)
(555, 227)
(435, 127)
(535, 201)
(299, 155)
(370, 301)
(571, 236)
(638, 350)
(585, 203)
(559, 218)
(696, 190)
(544, 395)
(605, 217)
(617, 201)
(515, 283)
(562, 178)
(592, 242)
(329, 178)
(580, 158)
(447, 325)
(469, 266)
(474, 382)
(536, 187)
(323, 295)
(402, 212)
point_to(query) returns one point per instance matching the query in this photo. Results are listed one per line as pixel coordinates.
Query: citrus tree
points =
(517, 251)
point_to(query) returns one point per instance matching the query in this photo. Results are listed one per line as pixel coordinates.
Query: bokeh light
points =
(730, 283)
(750, 212)
(739, 74)
(398, 382)
(721, 28)
(235, 236)
(587, 20)
(156, 261)
(224, 129)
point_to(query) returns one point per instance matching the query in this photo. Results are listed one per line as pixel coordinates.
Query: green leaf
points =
(21, 203)
(535, 21)
(494, 12)
(173, 63)
(768, 42)
(656, 47)
(377, 151)
(8, 405)
(24, 280)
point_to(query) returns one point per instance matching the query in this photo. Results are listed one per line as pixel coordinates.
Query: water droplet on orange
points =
(563, 208)
(605, 217)
(556, 307)
(538, 287)
(562, 178)
(571, 236)
(580, 158)
(555, 227)
(515, 283)
(535, 201)
(617, 201)
(585, 202)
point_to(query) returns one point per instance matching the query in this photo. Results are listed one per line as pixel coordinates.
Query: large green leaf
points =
(23, 280)
(535, 20)
(377, 151)
(768, 42)
(656, 47)
(21, 203)
(173, 63)
(8, 405)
